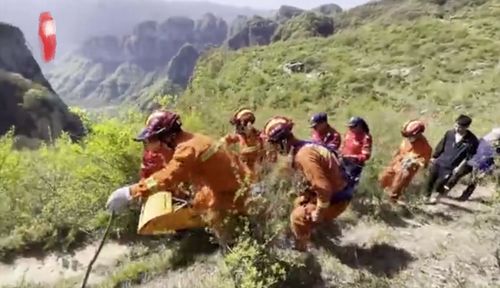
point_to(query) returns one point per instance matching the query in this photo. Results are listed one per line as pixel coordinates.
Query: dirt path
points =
(451, 244)
(53, 268)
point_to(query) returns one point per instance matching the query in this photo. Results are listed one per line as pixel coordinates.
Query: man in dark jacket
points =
(457, 145)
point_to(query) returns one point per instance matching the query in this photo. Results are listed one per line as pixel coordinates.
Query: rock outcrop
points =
(286, 12)
(107, 70)
(306, 25)
(29, 104)
(182, 65)
(255, 31)
(210, 30)
(103, 49)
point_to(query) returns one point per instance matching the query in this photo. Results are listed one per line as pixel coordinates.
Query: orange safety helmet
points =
(160, 122)
(413, 128)
(242, 117)
(277, 129)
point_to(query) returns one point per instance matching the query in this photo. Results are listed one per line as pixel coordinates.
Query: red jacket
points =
(357, 146)
(331, 138)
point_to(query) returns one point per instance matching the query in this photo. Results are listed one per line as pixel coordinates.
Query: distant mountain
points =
(76, 21)
(154, 59)
(27, 100)
(158, 57)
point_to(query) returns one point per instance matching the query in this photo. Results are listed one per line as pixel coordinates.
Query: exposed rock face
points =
(177, 29)
(182, 65)
(16, 57)
(211, 30)
(307, 25)
(28, 102)
(288, 12)
(103, 49)
(261, 31)
(108, 70)
(256, 31)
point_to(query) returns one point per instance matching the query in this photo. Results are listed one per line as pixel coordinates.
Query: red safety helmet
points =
(413, 128)
(277, 129)
(160, 122)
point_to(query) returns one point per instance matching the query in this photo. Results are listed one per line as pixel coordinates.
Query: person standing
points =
(457, 145)
(413, 153)
(481, 164)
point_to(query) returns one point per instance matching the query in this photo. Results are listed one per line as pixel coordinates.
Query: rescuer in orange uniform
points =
(326, 196)
(413, 154)
(251, 147)
(217, 174)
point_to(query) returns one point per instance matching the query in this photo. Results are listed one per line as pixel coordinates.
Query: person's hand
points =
(118, 200)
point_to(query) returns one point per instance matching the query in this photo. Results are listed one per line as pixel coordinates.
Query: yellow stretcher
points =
(163, 214)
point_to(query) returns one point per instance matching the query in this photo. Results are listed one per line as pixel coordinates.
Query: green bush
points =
(54, 197)
(56, 193)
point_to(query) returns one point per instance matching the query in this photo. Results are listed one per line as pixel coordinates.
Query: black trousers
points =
(438, 176)
(463, 171)
(443, 176)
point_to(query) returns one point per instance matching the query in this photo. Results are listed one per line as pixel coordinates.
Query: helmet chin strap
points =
(282, 146)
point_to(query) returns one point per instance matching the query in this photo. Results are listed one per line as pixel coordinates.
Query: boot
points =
(467, 193)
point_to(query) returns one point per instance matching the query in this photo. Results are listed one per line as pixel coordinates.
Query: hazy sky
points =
(274, 4)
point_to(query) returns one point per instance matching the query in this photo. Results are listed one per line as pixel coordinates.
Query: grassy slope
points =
(452, 66)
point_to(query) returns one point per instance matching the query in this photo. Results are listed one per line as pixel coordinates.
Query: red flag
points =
(47, 33)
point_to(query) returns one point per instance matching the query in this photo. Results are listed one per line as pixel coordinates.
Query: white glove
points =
(118, 200)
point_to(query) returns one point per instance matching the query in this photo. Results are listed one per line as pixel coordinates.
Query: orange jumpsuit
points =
(405, 164)
(213, 171)
(251, 147)
(321, 169)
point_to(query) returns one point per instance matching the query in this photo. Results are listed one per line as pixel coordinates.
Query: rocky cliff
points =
(27, 100)
(108, 69)
(150, 59)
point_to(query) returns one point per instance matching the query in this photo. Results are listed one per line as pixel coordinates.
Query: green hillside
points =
(429, 66)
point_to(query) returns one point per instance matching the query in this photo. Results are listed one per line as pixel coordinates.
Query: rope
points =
(89, 268)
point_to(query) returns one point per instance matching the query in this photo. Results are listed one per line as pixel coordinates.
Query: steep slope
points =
(27, 100)
(437, 67)
(106, 70)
